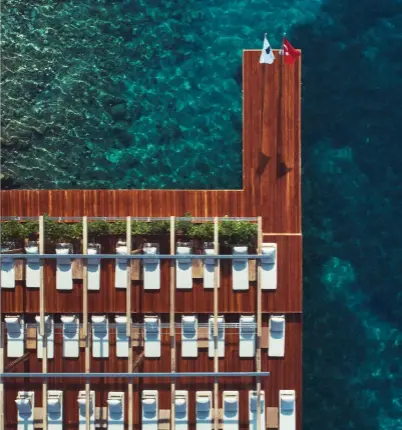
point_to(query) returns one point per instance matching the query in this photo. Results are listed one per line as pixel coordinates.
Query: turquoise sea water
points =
(124, 94)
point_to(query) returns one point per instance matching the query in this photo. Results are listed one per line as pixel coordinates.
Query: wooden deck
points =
(271, 189)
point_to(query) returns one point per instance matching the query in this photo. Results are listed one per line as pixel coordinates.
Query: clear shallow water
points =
(129, 94)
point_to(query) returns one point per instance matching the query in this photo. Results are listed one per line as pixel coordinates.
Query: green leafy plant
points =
(230, 232)
(238, 233)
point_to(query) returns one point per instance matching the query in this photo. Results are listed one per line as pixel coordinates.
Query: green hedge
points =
(230, 232)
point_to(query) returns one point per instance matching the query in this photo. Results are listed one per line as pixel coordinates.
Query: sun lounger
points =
(121, 336)
(15, 335)
(276, 346)
(253, 406)
(7, 272)
(152, 271)
(25, 402)
(32, 274)
(152, 328)
(203, 410)
(150, 410)
(115, 415)
(82, 405)
(121, 266)
(55, 410)
(269, 266)
(100, 336)
(181, 410)
(287, 410)
(71, 336)
(221, 336)
(247, 334)
(94, 268)
(240, 268)
(230, 410)
(64, 272)
(184, 278)
(209, 269)
(189, 337)
(49, 333)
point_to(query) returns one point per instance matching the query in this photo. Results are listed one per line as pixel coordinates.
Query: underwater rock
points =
(118, 111)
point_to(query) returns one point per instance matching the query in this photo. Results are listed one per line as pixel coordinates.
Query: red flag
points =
(291, 54)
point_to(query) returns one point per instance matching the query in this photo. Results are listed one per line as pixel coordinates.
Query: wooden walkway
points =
(271, 189)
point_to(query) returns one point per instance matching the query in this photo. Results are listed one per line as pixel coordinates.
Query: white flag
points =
(267, 56)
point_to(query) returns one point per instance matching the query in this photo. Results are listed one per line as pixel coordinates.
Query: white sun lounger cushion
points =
(240, 268)
(82, 410)
(64, 272)
(209, 269)
(25, 403)
(49, 333)
(152, 337)
(152, 273)
(32, 269)
(115, 416)
(93, 267)
(181, 410)
(203, 410)
(150, 410)
(55, 410)
(184, 275)
(71, 336)
(253, 406)
(230, 410)
(221, 336)
(247, 329)
(120, 275)
(276, 343)
(100, 336)
(287, 410)
(7, 272)
(189, 336)
(269, 266)
(121, 336)
(15, 336)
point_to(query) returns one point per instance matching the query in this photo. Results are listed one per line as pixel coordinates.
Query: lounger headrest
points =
(209, 251)
(32, 250)
(150, 250)
(114, 402)
(121, 250)
(54, 405)
(183, 250)
(287, 402)
(99, 319)
(180, 402)
(24, 406)
(253, 402)
(46, 318)
(277, 323)
(68, 319)
(149, 403)
(92, 251)
(12, 319)
(203, 404)
(230, 403)
(240, 250)
(120, 319)
(269, 253)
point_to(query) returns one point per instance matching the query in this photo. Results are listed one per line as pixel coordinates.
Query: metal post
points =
(85, 317)
(42, 327)
(259, 315)
(216, 285)
(172, 264)
(128, 327)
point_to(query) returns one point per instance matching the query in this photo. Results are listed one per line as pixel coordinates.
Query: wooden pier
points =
(271, 190)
